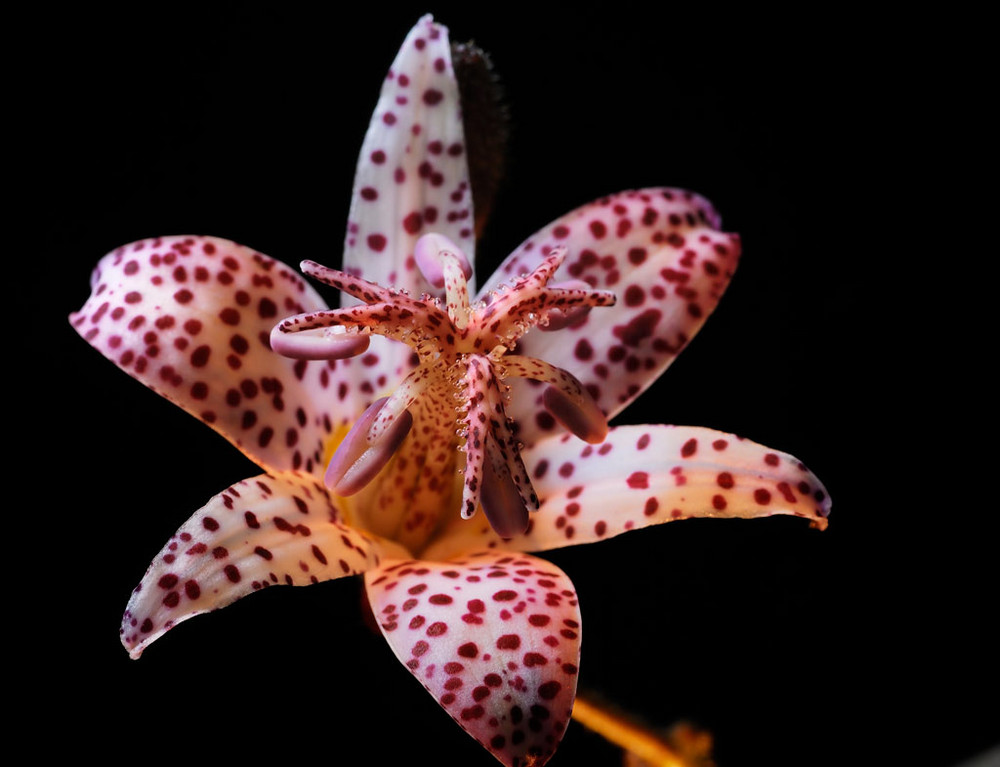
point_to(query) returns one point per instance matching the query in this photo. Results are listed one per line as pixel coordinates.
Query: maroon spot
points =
(230, 316)
(210, 524)
(420, 648)
(413, 222)
(638, 328)
(545, 420)
(539, 620)
(718, 502)
(265, 436)
(480, 692)
(451, 667)
(476, 712)
(432, 96)
(598, 229)
(168, 581)
(786, 492)
(771, 459)
(504, 596)
(378, 157)
(720, 444)
(239, 344)
(469, 650)
(267, 308)
(192, 589)
(762, 496)
(634, 295)
(725, 480)
(172, 599)
(651, 506)
(534, 659)
(509, 642)
(199, 357)
(369, 193)
(437, 629)
(318, 553)
(440, 599)
(260, 551)
(549, 690)
(232, 573)
(376, 242)
(476, 606)
(638, 480)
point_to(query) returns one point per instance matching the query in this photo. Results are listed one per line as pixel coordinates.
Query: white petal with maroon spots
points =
(494, 637)
(646, 475)
(191, 318)
(412, 176)
(268, 530)
(659, 250)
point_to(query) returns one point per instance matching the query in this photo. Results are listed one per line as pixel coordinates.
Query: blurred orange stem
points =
(631, 736)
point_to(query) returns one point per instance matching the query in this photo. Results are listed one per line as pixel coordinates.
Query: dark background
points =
(791, 646)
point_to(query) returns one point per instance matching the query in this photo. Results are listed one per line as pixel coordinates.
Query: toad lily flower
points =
(421, 404)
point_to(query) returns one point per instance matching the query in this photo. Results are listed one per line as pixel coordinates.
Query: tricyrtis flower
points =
(384, 426)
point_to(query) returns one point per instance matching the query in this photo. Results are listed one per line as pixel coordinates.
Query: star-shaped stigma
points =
(464, 354)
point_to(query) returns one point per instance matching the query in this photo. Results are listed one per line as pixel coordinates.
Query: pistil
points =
(463, 348)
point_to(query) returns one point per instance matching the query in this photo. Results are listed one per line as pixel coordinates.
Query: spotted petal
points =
(412, 176)
(661, 252)
(281, 529)
(494, 637)
(190, 317)
(646, 475)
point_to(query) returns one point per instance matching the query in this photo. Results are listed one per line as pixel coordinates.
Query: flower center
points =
(464, 353)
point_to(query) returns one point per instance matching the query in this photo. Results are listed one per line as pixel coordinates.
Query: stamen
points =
(502, 447)
(333, 343)
(579, 415)
(358, 459)
(502, 503)
(565, 398)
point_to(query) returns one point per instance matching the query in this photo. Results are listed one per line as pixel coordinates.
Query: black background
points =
(791, 646)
